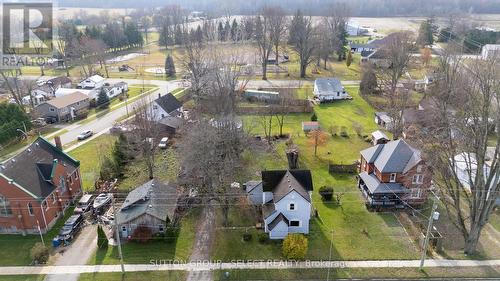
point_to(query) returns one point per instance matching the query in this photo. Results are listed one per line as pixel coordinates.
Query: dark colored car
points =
(71, 227)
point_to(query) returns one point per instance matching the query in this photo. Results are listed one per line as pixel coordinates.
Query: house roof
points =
(375, 186)
(154, 198)
(328, 85)
(365, 53)
(279, 218)
(169, 103)
(282, 182)
(378, 135)
(393, 157)
(171, 121)
(95, 78)
(45, 88)
(379, 54)
(59, 80)
(310, 123)
(251, 185)
(67, 100)
(268, 209)
(32, 169)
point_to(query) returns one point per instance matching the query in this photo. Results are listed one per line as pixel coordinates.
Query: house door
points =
(124, 232)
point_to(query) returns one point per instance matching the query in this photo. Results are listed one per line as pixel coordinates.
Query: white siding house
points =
(329, 89)
(285, 198)
(93, 82)
(490, 50)
(164, 106)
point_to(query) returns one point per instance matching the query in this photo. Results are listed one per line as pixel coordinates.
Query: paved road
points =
(272, 264)
(78, 253)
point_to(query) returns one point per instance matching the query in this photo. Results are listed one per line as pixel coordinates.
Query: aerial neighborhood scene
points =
(249, 140)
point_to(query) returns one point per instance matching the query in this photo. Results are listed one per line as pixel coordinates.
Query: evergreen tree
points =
(103, 99)
(234, 30)
(227, 30)
(221, 33)
(102, 239)
(341, 42)
(348, 60)
(165, 33)
(425, 36)
(198, 35)
(119, 154)
(169, 66)
(12, 117)
(179, 35)
(134, 36)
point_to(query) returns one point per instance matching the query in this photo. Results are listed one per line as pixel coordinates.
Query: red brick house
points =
(393, 175)
(36, 187)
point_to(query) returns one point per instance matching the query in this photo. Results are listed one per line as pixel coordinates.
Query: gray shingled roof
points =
(375, 186)
(251, 185)
(154, 198)
(282, 182)
(394, 157)
(32, 168)
(279, 218)
(169, 103)
(370, 154)
(328, 85)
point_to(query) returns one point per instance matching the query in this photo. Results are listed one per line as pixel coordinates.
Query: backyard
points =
(357, 234)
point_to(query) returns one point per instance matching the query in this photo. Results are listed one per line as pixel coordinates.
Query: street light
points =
(22, 132)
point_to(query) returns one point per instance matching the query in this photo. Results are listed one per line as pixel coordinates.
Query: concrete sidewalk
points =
(271, 264)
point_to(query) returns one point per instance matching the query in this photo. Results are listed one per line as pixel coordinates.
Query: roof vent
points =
(150, 206)
(29, 149)
(14, 160)
(37, 144)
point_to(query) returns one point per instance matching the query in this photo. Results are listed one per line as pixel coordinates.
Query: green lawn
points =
(156, 250)
(134, 276)
(22, 277)
(357, 233)
(355, 273)
(495, 219)
(16, 248)
(90, 156)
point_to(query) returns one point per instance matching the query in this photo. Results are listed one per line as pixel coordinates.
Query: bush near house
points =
(326, 193)
(39, 253)
(102, 239)
(295, 246)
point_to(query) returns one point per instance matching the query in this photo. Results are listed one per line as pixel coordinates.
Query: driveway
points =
(202, 244)
(77, 253)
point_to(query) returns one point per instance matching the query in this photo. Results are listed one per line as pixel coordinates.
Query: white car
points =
(85, 135)
(163, 143)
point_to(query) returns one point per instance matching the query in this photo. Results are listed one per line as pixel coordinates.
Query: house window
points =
(30, 209)
(419, 169)
(393, 177)
(52, 109)
(417, 179)
(291, 206)
(155, 107)
(45, 206)
(161, 228)
(62, 184)
(5, 209)
(76, 174)
(53, 198)
(416, 193)
(295, 223)
(124, 228)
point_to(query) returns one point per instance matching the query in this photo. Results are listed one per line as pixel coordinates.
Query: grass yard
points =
(16, 248)
(361, 273)
(159, 250)
(495, 220)
(91, 155)
(22, 277)
(134, 276)
(357, 233)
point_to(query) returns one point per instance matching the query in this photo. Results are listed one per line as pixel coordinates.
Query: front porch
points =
(380, 195)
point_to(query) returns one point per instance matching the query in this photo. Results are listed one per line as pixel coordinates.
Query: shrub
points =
(263, 238)
(358, 128)
(343, 132)
(142, 234)
(326, 193)
(247, 237)
(334, 130)
(295, 246)
(102, 239)
(314, 118)
(39, 253)
(171, 234)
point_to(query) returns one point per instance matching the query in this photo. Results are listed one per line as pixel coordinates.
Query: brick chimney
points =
(57, 140)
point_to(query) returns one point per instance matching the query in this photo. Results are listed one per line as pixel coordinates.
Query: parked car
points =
(163, 143)
(71, 227)
(84, 204)
(85, 135)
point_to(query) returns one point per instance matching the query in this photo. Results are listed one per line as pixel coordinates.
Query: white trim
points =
(294, 206)
(31, 211)
(22, 188)
(300, 223)
(393, 179)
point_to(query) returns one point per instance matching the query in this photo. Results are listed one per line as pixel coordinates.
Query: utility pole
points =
(117, 233)
(433, 216)
(330, 258)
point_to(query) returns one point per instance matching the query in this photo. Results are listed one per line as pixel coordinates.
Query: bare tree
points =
(464, 119)
(147, 132)
(277, 26)
(396, 55)
(317, 138)
(14, 85)
(302, 38)
(263, 38)
(338, 16)
(283, 108)
(266, 124)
